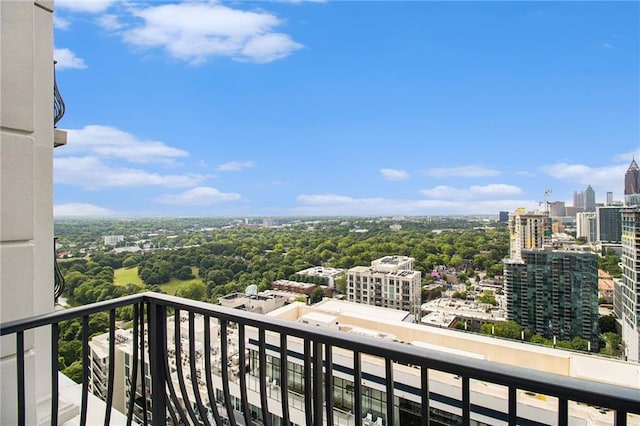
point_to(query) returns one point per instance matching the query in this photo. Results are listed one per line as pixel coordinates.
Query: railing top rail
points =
(598, 393)
(52, 317)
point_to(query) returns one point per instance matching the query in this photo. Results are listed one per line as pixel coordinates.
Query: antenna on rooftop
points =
(251, 290)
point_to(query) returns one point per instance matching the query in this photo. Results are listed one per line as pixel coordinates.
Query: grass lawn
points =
(123, 276)
(174, 284)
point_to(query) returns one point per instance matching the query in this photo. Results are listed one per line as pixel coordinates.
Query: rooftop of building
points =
(605, 281)
(373, 270)
(294, 284)
(461, 307)
(588, 366)
(321, 271)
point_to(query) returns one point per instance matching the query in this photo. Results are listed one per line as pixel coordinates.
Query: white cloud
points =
(462, 171)
(605, 177)
(628, 156)
(268, 47)
(235, 166)
(66, 59)
(394, 174)
(80, 209)
(199, 196)
(333, 204)
(494, 190)
(607, 45)
(442, 192)
(325, 199)
(86, 6)
(110, 142)
(60, 23)
(91, 173)
(109, 22)
(194, 32)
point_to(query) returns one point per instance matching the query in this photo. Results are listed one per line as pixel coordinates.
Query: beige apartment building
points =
(389, 282)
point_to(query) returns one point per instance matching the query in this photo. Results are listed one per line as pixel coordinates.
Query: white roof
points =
(360, 309)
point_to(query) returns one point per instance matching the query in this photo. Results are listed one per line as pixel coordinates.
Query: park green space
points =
(124, 276)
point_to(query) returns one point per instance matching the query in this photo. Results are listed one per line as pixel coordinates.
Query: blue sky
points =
(278, 108)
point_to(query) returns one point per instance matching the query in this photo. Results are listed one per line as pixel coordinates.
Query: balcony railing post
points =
(157, 318)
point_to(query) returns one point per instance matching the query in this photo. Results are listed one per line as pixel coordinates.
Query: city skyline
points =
(342, 108)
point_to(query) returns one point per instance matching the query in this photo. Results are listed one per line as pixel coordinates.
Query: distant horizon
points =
(314, 108)
(264, 216)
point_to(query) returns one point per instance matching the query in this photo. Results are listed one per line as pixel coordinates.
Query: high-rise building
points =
(528, 230)
(609, 226)
(554, 293)
(557, 209)
(627, 302)
(632, 184)
(389, 282)
(578, 199)
(586, 226)
(609, 198)
(589, 199)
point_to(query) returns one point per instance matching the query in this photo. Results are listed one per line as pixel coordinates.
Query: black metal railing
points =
(199, 385)
(58, 102)
(58, 277)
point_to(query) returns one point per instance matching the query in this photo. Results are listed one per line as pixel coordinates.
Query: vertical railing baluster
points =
(563, 412)
(194, 372)
(317, 383)
(133, 379)
(424, 407)
(85, 370)
(55, 335)
(242, 364)
(466, 401)
(20, 378)
(112, 364)
(208, 372)
(284, 379)
(620, 418)
(357, 387)
(177, 341)
(388, 366)
(328, 383)
(308, 400)
(262, 360)
(174, 401)
(157, 327)
(513, 405)
(224, 368)
(143, 365)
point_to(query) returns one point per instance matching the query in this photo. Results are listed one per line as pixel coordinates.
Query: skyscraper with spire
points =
(632, 184)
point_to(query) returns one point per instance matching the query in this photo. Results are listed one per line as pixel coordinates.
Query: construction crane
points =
(546, 201)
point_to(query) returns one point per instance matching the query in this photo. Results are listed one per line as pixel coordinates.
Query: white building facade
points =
(26, 198)
(389, 282)
(527, 230)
